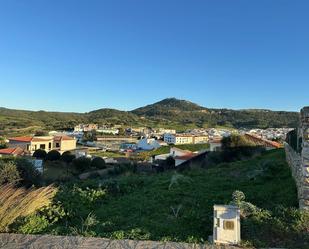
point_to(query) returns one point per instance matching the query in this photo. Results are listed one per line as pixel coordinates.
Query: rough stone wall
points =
(299, 163)
(304, 184)
(20, 241)
(294, 161)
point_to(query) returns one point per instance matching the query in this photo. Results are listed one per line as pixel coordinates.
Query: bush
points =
(169, 163)
(28, 173)
(67, 157)
(3, 144)
(33, 224)
(41, 133)
(8, 173)
(53, 155)
(41, 154)
(82, 163)
(235, 141)
(98, 162)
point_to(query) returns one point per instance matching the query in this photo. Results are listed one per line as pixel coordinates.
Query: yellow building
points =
(185, 138)
(30, 144)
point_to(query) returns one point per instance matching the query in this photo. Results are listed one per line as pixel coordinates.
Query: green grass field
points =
(179, 206)
(147, 203)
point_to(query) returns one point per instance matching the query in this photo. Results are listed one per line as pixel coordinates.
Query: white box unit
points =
(226, 224)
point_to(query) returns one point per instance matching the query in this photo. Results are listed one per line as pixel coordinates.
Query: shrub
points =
(41, 133)
(41, 154)
(82, 163)
(3, 144)
(33, 224)
(67, 157)
(169, 163)
(8, 173)
(98, 162)
(19, 202)
(235, 141)
(85, 226)
(28, 173)
(53, 155)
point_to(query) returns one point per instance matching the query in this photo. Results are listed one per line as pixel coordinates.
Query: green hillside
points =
(169, 113)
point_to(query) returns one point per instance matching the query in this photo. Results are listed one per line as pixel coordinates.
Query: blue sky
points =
(73, 55)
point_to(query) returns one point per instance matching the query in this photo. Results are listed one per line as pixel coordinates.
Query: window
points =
(49, 145)
(228, 225)
(42, 146)
(57, 145)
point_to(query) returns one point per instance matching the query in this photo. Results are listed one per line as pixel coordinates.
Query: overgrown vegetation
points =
(179, 206)
(234, 148)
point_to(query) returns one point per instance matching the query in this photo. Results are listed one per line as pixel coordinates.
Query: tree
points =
(53, 155)
(90, 136)
(3, 144)
(8, 173)
(40, 133)
(41, 154)
(82, 163)
(67, 157)
(234, 141)
(28, 173)
(98, 162)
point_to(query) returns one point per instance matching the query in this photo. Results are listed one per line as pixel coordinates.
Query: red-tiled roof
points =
(12, 151)
(263, 140)
(185, 157)
(21, 139)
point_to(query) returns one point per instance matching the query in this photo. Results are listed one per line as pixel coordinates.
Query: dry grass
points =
(20, 202)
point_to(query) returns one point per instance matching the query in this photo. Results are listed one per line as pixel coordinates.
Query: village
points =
(116, 144)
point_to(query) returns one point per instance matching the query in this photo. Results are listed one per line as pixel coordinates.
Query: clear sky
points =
(81, 55)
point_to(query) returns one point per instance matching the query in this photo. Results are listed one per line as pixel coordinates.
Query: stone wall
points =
(20, 241)
(299, 162)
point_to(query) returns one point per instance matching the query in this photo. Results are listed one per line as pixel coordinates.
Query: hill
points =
(168, 106)
(189, 114)
(169, 113)
(113, 116)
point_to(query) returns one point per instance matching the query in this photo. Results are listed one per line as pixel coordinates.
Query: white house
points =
(148, 144)
(178, 138)
(108, 131)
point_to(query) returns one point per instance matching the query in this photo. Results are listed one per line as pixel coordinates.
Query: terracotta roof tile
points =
(21, 139)
(12, 151)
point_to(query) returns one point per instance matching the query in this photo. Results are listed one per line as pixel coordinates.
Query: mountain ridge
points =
(169, 112)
